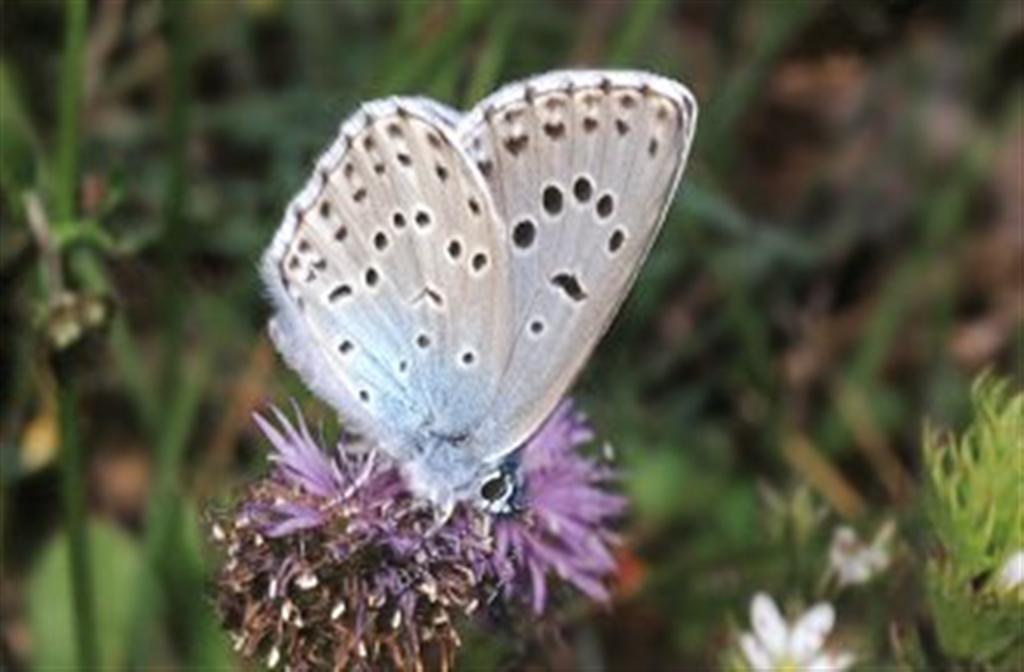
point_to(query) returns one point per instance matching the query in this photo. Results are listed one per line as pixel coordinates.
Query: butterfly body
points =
(442, 278)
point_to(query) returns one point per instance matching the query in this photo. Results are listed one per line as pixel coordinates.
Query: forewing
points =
(582, 167)
(389, 275)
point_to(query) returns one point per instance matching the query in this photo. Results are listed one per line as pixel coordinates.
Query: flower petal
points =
(831, 662)
(769, 625)
(1011, 574)
(809, 633)
(758, 658)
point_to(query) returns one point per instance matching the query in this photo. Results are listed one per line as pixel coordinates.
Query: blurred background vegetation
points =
(844, 256)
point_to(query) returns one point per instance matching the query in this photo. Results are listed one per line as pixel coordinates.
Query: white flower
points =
(1011, 574)
(776, 646)
(855, 562)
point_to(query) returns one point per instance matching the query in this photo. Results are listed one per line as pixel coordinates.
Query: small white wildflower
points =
(855, 562)
(776, 645)
(1011, 574)
(338, 611)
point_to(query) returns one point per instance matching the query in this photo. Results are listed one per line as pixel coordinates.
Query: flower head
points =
(855, 562)
(332, 563)
(776, 644)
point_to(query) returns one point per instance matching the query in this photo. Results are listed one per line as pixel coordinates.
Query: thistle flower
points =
(563, 527)
(775, 644)
(331, 562)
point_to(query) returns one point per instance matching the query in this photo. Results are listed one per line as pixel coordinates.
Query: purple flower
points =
(331, 562)
(563, 528)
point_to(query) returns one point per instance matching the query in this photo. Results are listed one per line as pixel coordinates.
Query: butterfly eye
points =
(496, 488)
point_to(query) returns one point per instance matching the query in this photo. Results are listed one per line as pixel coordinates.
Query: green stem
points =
(74, 512)
(70, 102)
(72, 460)
(164, 508)
(175, 235)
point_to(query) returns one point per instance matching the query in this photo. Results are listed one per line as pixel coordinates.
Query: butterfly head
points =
(446, 474)
(501, 491)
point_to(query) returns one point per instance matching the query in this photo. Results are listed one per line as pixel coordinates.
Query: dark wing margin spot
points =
(570, 286)
(515, 145)
(554, 130)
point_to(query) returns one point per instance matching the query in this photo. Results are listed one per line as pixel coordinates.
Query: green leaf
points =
(116, 564)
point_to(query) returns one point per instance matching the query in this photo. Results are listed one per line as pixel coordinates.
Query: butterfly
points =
(442, 277)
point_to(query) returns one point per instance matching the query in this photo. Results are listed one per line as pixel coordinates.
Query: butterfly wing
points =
(388, 276)
(582, 167)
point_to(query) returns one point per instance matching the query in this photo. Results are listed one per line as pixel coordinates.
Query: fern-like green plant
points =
(975, 503)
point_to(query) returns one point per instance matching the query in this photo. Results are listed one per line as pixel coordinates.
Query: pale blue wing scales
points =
(387, 275)
(582, 166)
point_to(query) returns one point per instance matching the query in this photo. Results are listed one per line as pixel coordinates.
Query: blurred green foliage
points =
(843, 257)
(116, 563)
(974, 498)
